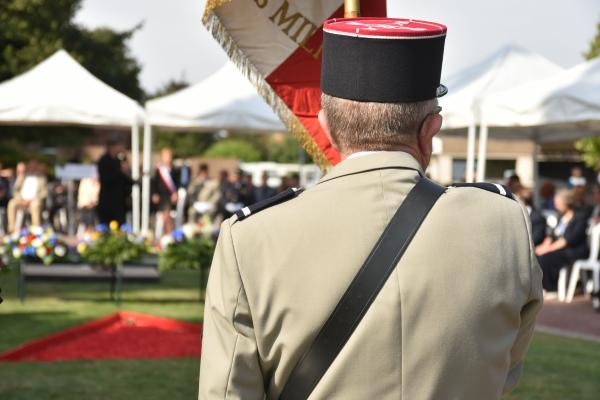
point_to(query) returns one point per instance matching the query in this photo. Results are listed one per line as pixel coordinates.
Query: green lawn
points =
(556, 368)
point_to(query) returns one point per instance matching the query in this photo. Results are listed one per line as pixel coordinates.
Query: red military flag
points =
(277, 44)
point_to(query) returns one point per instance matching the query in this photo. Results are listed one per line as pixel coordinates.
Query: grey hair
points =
(567, 197)
(368, 126)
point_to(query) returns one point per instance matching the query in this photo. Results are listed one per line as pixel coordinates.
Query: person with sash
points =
(164, 189)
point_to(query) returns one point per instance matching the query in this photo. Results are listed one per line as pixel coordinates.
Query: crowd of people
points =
(561, 219)
(193, 196)
(562, 223)
(178, 194)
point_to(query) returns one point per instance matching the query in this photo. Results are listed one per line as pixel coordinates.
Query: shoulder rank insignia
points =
(490, 187)
(270, 202)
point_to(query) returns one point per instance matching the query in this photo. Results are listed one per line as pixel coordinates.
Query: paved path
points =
(577, 319)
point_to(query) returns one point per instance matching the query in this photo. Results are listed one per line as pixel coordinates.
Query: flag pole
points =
(351, 8)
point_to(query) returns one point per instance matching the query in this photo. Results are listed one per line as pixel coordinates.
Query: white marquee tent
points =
(565, 106)
(569, 97)
(59, 91)
(509, 67)
(225, 100)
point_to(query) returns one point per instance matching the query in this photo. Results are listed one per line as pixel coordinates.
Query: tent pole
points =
(135, 176)
(536, 171)
(471, 137)
(481, 159)
(146, 160)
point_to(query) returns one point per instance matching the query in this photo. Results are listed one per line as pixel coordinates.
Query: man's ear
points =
(325, 125)
(431, 127)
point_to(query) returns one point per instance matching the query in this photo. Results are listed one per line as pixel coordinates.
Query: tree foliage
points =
(234, 148)
(590, 147)
(32, 30)
(172, 86)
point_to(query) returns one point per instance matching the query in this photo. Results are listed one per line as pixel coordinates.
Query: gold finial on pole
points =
(351, 8)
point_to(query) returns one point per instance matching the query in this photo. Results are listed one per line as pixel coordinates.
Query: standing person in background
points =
(29, 193)
(264, 191)
(164, 189)
(114, 184)
(185, 175)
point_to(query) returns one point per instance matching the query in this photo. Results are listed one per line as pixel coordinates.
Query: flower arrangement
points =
(112, 245)
(185, 248)
(34, 244)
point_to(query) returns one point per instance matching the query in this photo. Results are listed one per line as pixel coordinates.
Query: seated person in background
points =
(264, 191)
(204, 194)
(568, 242)
(538, 221)
(87, 200)
(29, 193)
(229, 199)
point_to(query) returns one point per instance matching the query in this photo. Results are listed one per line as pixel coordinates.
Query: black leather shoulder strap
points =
(362, 291)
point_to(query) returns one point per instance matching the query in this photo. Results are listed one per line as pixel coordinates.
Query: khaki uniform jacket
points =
(453, 321)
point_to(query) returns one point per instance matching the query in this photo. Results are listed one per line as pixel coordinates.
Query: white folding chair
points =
(591, 264)
(562, 283)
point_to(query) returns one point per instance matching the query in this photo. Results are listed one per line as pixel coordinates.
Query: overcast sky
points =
(174, 44)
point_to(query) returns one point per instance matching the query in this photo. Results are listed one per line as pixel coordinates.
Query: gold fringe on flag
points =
(217, 29)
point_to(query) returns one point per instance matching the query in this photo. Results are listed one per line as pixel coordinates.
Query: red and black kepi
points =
(385, 60)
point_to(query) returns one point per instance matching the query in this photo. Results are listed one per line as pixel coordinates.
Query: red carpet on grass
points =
(123, 335)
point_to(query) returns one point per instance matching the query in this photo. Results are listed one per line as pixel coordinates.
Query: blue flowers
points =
(178, 235)
(102, 228)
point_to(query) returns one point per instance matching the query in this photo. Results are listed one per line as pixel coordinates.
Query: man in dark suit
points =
(164, 189)
(114, 185)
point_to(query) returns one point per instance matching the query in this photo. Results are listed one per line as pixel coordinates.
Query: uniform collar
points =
(368, 161)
